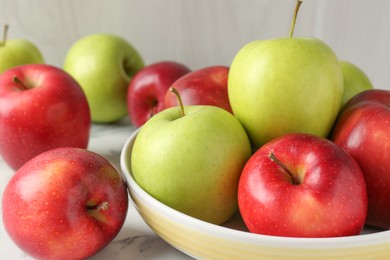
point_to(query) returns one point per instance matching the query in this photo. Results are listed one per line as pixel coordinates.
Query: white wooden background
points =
(201, 33)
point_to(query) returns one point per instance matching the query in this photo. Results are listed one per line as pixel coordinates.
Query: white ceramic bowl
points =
(203, 240)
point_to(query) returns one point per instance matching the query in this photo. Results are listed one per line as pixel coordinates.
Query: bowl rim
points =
(220, 231)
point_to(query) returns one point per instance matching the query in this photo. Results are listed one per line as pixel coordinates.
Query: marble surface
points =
(135, 240)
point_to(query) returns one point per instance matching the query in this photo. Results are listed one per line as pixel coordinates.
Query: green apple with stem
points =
(15, 52)
(104, 64)
(190, 158)
(355, 80)
(284, 85)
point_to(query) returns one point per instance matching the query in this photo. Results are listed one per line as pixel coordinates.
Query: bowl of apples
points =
(231, 239)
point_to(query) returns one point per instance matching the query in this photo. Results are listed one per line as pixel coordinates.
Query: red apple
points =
(66, 203)
(207, 86)
(301, 185)
(146, 93)
(363, 129)
(41, 108)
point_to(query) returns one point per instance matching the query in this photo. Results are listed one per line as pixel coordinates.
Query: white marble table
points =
(135, 240)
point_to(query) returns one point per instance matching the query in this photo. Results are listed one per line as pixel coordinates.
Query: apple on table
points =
(66, 203)
(190, 158)
(15, 52)
(147, 89)
(363, 130)
(104, 65)
(301, 185)
(41, 107)
(285, 85)
(205, 86)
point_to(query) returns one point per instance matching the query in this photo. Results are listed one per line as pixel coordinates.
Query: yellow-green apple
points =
(66, 203)
(301, 185)
(147, 89)
(284, 85)
(15, 52)
(206, 86)
(41, 107)
(104, 65)
(363, 130)
(355, 80)
(192, 160)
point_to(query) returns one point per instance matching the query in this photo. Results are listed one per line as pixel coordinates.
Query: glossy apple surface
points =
(285, 85)
(192, 163)
(363, 129)
(15, 52)
(147, 89)
(41, 108)
(206, 86)
(104, 65)
(67, 203)
(315, 190)
(355, 80)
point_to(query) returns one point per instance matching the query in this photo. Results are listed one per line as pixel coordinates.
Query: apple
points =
(17, 52)
(363, 130)
(147, 89)
(206, 86)
(285, 85)
(190, 158)
(301, 185)
(66, 203)
(104, 65)
(355, 80)
(41, 108)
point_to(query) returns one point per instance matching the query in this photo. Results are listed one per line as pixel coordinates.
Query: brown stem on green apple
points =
(273, 158)
(299, 2)
(174, 91)
(101, 207)
(5, 33)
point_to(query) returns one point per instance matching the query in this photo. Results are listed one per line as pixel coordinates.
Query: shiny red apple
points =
(66, 203)
(206, 86)
(41, 108)
(147, 89)
(301, 185)
(363, 129)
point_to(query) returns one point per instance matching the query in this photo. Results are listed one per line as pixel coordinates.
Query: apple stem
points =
(23, 86)
(299, 2)
(174, 91)
(5, 33)
(101, 207)
(273, 158)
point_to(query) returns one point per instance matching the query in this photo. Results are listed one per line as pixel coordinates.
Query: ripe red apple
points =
(301, 185)
(206, 86)
(146, 92)
(363, 129)
(41, 108)
(66, 203)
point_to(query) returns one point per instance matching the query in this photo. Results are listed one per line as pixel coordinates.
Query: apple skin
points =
(48, 109)
(17, 52)
(147, 89)
(104, 65)
(329, 199)
(355, 80)
(66, 203)
(285, 85)
(363, 130)
(192, 163)
(206, 86)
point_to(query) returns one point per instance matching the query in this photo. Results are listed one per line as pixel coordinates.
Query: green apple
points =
(284, 85)
(104, 64)
(15, 52)
(192, 163)
(355, 80)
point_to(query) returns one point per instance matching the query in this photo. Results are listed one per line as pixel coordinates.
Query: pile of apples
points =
(289, 135)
